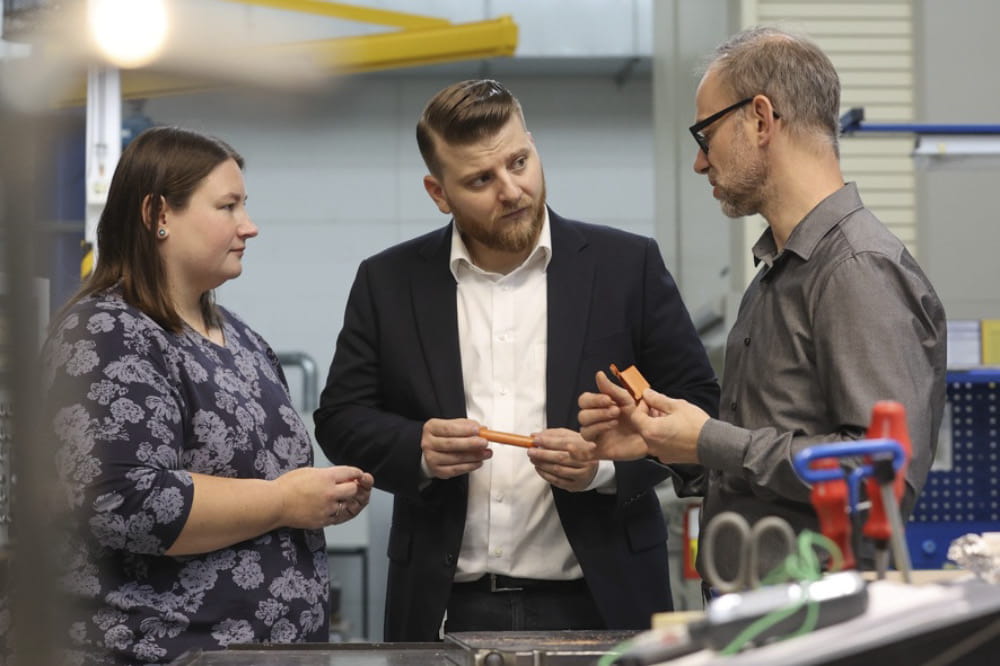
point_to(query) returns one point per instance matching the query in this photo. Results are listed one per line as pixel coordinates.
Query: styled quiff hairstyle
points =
(792, 71)
(463, 113)
(163, 165)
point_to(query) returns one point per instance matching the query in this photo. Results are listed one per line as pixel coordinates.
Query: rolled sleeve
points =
(143, 521)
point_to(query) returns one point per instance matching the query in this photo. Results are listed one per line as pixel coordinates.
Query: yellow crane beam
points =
(351, 12)
(432, 41)
(409, 48)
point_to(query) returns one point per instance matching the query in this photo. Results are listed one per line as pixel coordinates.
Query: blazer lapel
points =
(570, 278)
(437, 325)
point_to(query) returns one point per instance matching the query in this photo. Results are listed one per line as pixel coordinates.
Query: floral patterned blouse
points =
(134, 409)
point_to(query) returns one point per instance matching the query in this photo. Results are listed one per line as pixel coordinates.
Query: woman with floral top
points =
(195, 513)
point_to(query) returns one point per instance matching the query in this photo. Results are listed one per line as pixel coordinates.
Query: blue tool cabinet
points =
(962, 493)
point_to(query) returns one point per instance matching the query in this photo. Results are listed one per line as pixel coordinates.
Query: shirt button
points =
(497, 552)
(499, 497)
(746, 341)
(449, 559)
(732, 405)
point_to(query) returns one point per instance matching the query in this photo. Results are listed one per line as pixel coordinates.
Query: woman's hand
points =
(227, 511)
(314, 497)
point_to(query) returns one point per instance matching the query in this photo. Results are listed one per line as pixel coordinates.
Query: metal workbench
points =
(528, 648)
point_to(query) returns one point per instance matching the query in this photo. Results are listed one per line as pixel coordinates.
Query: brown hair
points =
(463, 113)
(163, 164)
(792, 71)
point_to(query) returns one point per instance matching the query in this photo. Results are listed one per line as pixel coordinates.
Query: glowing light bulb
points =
(129, 33)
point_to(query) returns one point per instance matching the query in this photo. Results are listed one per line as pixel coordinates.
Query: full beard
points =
(513, 237)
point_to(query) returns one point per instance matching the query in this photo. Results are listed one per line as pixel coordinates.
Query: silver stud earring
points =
(162, 232)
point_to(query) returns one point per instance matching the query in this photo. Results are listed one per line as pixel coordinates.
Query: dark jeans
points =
(500, 603)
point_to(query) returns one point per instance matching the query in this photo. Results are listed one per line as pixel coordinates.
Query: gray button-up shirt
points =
(841, 318)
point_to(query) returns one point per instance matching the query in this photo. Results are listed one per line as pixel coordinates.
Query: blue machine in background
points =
(962, 493)
(65, 206)
(65, 228)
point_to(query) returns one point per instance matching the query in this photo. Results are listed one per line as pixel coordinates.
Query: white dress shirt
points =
(511, 525)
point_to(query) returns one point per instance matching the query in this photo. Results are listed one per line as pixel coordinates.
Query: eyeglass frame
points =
(696, 129)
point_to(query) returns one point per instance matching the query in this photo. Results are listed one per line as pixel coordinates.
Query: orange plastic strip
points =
(506, 438)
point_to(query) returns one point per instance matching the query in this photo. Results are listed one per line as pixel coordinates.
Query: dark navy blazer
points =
(397, 364)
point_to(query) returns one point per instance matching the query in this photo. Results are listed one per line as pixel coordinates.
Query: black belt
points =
(496, 583)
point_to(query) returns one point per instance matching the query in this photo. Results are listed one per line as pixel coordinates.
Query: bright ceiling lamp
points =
(129, 33)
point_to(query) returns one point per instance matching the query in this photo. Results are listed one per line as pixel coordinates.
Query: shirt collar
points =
(461, 260)
(807, 234)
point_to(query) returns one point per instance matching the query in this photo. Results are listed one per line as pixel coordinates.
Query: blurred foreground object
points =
(978, 553)
(284, 45)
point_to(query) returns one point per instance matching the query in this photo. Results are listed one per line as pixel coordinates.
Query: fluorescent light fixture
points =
(943, 145)
(939, 151)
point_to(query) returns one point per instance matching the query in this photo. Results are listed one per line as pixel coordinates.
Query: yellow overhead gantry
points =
(418, 40)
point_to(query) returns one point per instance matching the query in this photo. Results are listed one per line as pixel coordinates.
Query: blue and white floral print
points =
(135, 409)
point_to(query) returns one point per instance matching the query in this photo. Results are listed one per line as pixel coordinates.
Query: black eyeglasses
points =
(696, 129)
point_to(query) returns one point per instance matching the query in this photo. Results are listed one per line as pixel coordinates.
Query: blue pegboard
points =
(962, 493)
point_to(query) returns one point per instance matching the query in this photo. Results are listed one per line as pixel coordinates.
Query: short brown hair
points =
(792, 71)
(161, 164)
(463, 113)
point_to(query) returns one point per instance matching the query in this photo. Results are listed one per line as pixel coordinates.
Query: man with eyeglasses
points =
(839, 315)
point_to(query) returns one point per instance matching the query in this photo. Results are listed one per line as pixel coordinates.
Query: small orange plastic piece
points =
(632, 380)
(506, 438)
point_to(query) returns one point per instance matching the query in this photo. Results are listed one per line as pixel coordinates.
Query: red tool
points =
(888, 421)
(885, 454)
(830, 499)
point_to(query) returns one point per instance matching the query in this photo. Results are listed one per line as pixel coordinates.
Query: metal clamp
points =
(860, 447)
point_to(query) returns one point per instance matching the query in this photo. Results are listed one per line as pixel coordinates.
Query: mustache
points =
(517, 205)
